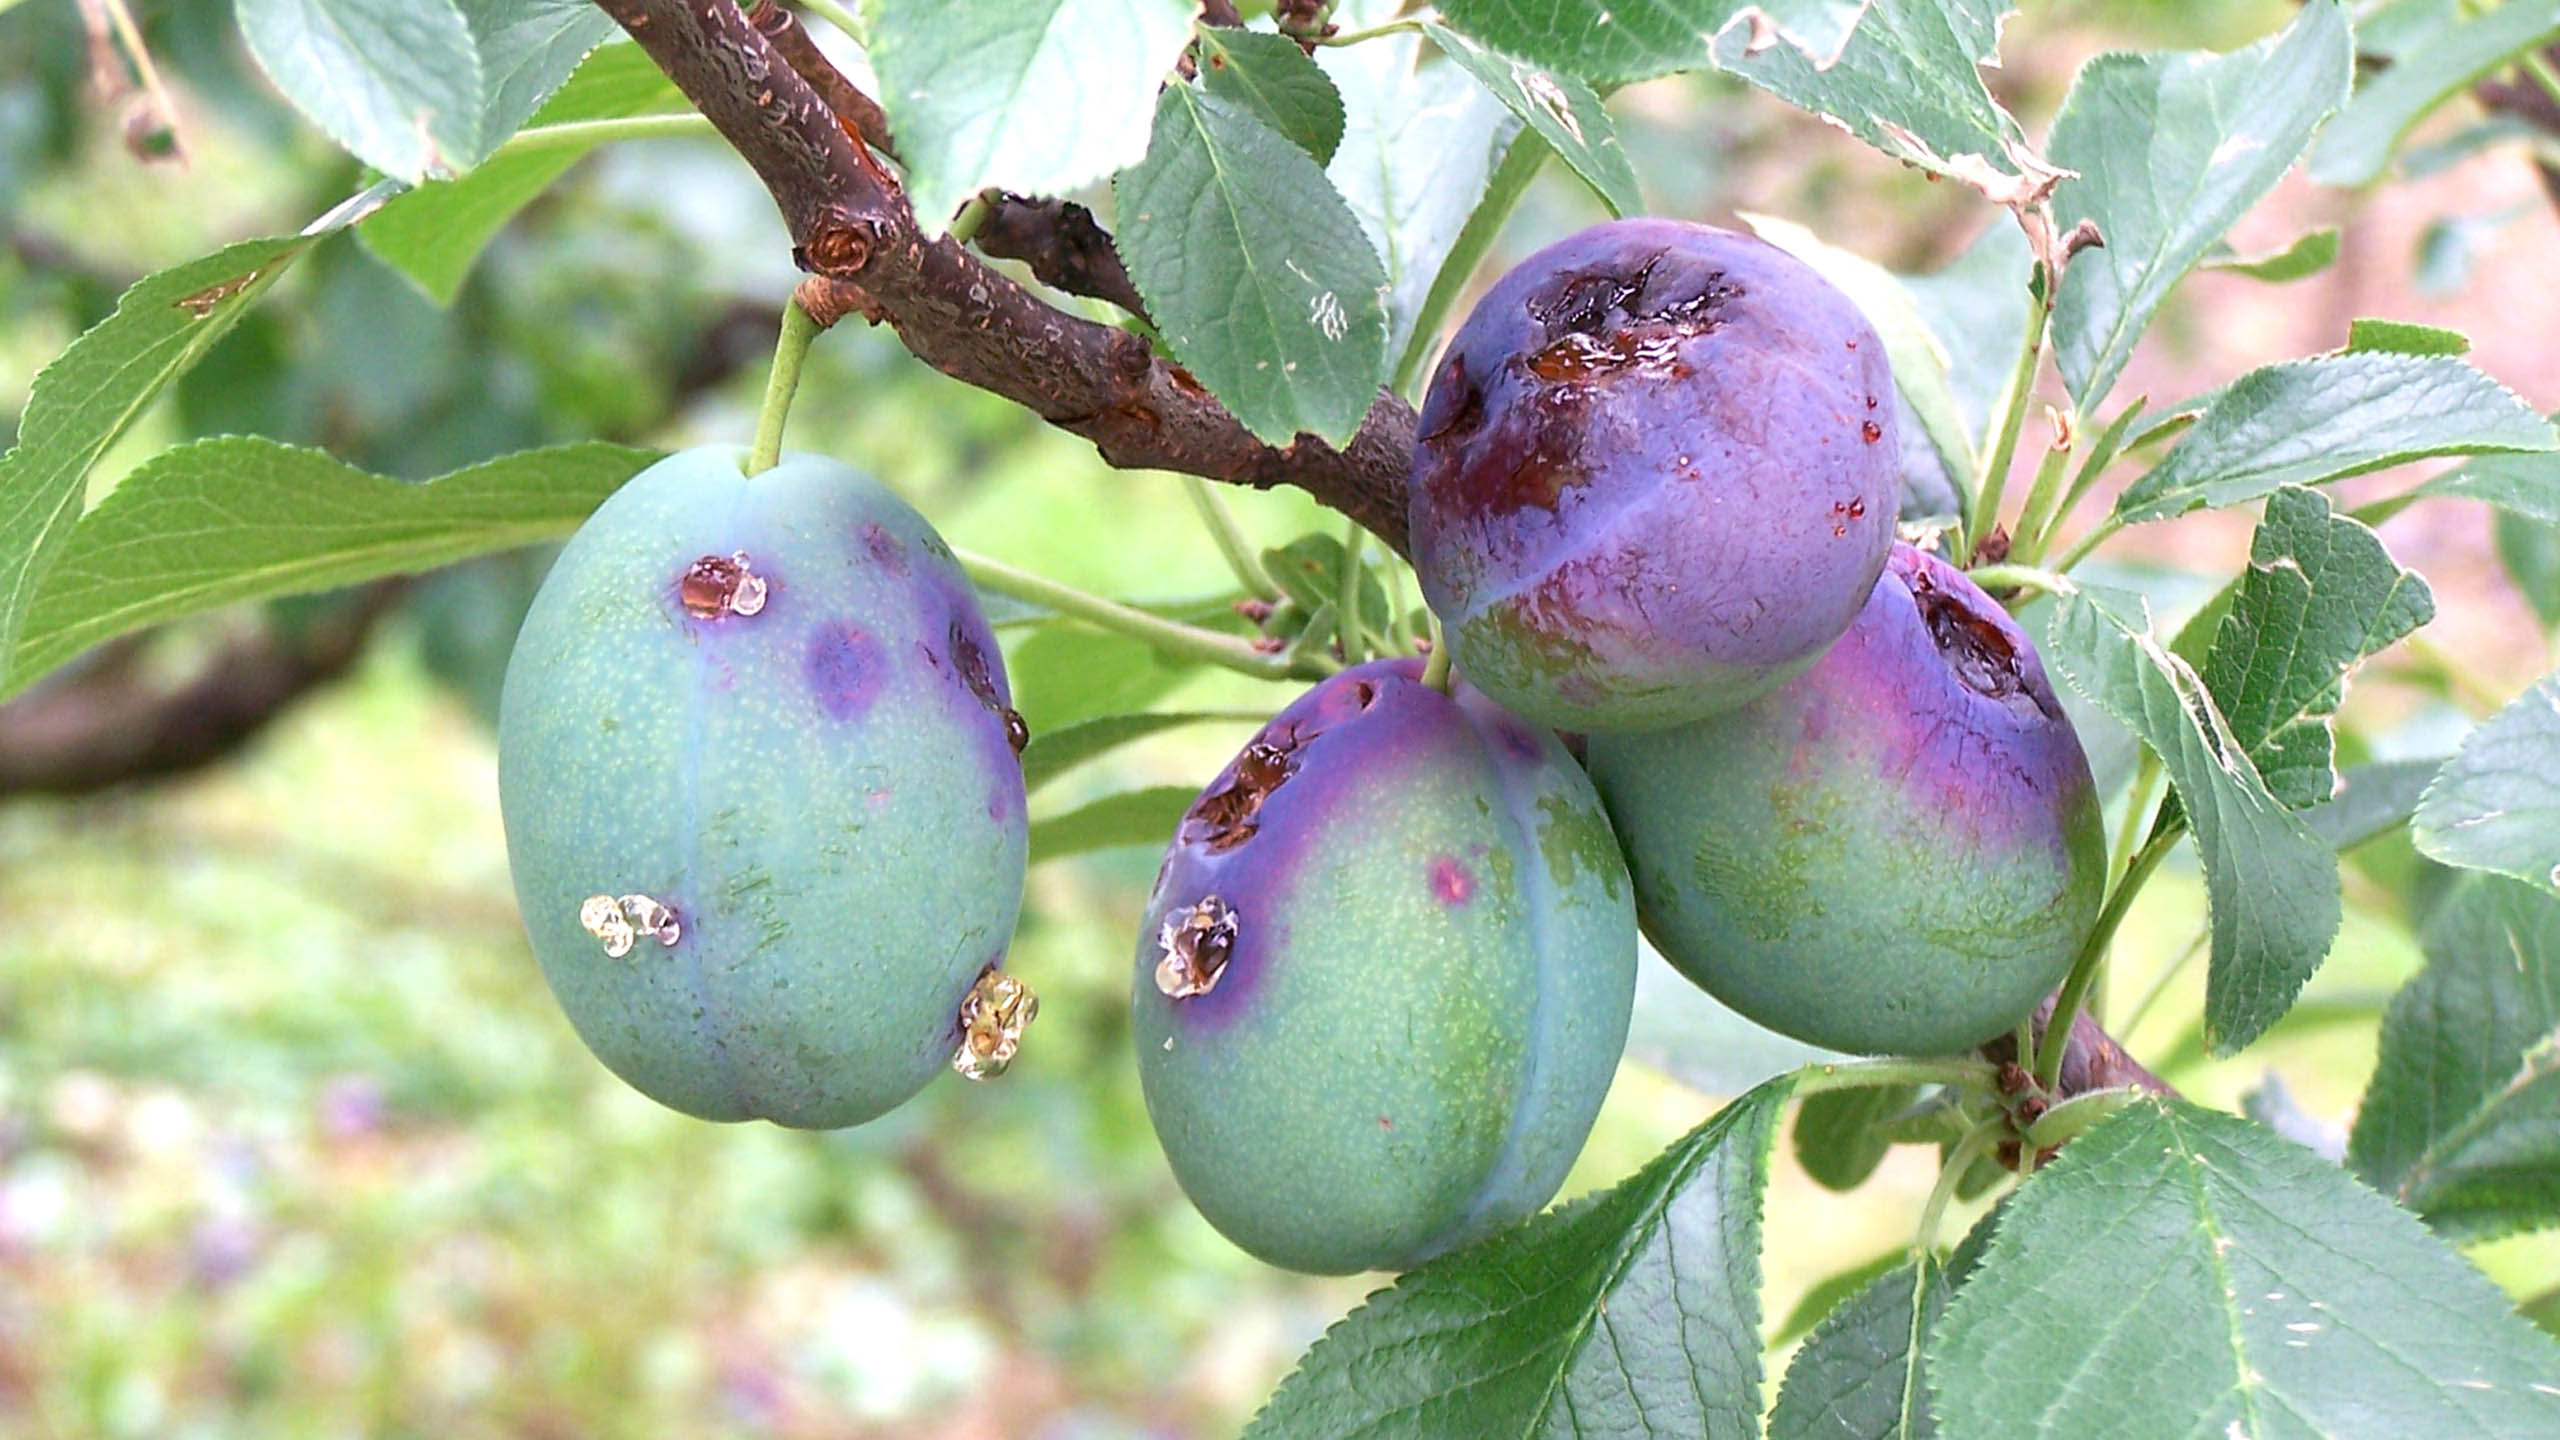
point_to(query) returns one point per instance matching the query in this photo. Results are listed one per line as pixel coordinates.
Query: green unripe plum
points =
(1897, 852)
(1385, 976)
(762, 797)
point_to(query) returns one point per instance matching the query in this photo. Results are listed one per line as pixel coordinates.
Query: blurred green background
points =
(294, 1143)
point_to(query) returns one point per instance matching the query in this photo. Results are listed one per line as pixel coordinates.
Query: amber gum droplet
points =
(718, 585)
(1195, 946)
(1017, 731)
(993, 1016)
(620, 921)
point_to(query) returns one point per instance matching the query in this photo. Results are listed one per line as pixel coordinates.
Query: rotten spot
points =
(1976, 648)
(620, 921)
(993, 1016)
(1225, 817)
(721, 585)
(1194, 946)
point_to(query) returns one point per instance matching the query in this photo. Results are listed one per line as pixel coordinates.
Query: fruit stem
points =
(2021, 577)
(1951, 1174)
(2075, 988)
(1346, 593)
(1502, 191)
(799, 327)
(2041, 495)
(1232, 543)
(964, 226)
(1435, 667)
(1960, 1071)
(2102, 453)
(2013, 416)
(1392, 27)
(1167, 637)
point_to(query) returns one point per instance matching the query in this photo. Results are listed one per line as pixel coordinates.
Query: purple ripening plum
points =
(1655, 476)
(762, 798)
(1898, 851)
(1385, 976)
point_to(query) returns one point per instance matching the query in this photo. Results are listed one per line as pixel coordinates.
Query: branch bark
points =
(850, 223)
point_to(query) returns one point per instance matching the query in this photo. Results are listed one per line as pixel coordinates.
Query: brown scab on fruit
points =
(619, 921)
(1196, 944)
(993, 1016)
(721, 585)
(1224, 818)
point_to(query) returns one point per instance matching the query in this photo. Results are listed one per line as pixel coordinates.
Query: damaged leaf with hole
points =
(1385, 976)
(1898, 851)
(1655, 475)
(762, 721)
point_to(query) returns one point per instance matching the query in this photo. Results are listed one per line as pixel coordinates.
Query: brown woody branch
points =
(850, 222)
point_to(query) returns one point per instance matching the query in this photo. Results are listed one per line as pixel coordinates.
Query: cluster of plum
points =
(1386, 971)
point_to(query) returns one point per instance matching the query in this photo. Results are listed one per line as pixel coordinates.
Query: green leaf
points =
(1920, 367)
(2523, 485)
(1309, 571)
(1064, 674)
(1039, 96)
(1611, 41)
(1255, 270)
(1053, 754)
(1976, 307)
(1839, 1137)
(1269, 75)
(2400, 337)
(2170, 150)
(2543, 1310)
(2309, 255)
(2320, 595)
(2205, 1278)
(1418, 149)
(1132, 817)
(93, 392)
(1635, 1312)
(2271, 885)
(434, 233)
(2495, 805)
(419, 88)
(242, 518)
(1560, 108)
(2358, 144)
(2462, 1121)
(1863, 1376)
(1831, 1291)
(1908, 82)
(2530, 551)
(2303, 422)
(2371, 800)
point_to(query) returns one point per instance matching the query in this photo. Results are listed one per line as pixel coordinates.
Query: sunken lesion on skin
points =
(1228, 814)
(1194, 945)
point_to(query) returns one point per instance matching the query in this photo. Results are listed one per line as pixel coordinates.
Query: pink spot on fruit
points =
(1452, 881)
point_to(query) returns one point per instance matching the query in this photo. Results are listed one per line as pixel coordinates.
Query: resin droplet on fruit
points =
(1650, 479)
(813, 805)
(1385, 976)
(1898, 851)
(992, 1018)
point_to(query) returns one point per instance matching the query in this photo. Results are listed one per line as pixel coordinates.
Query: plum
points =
(762, 797)
(1655, 475)
(1385, 976)
(1898, 851)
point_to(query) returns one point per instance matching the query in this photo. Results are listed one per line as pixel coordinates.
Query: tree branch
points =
(850, 222)
(1064, 246)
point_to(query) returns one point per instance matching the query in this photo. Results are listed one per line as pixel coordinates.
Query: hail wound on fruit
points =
(993, 1016)
(619, 921)
(1975, 647)
(1194, 946)
(969, 662)
(721, 585)
(1604, 322)
(1225, 817)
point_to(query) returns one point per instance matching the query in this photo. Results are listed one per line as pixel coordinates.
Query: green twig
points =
(1959, 1160)
(964, 226)
(2098, 534)
(2543, 76)
(1231, 539)
(798, 329)
(1435, 667)
(841, 17)
(2075, 987)
(1169, 637)
(2021, 577)
(1392, 27)
(2013, 415)
(2037, 514)
(2101, 454)
(1961, 1072)
(1502, 191)
(1346, 593)
(582, 134)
